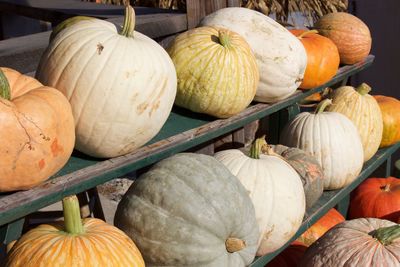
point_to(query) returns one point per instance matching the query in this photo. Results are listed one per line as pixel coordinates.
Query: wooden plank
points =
(195, 12)
(238, 138)
(213, 5)
(233, 3)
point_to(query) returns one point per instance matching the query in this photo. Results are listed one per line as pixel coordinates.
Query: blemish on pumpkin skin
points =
(100, 48)
(56, 149)
(141, 108)
(41, 164)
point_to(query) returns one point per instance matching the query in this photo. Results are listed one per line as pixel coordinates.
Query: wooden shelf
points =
(183, 130)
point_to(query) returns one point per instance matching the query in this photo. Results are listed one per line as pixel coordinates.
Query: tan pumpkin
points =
(217, 71)
(79, 243)
(37, 131)
(390, 108)
(363, 110)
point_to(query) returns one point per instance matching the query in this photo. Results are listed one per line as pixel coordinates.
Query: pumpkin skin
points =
(217, 72)
(318, 229)
(350, 34)
(390, 108)
(332, 139)
(121, 87)
(276, 191)
(363, 110)
(281, 58)
(38, 134)
(184, 211)
(322, 58)
(351, 244)
(308, 168)
(99, 244)
(290, 257)
(376, 198)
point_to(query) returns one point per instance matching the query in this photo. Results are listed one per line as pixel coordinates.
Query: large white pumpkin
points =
(121, 86)
(332, 139)
(275, 189)
(281, 57)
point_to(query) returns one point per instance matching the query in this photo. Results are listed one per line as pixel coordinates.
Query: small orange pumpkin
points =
(322, 58)
(38, 132)
(390, 108)
(75, 242)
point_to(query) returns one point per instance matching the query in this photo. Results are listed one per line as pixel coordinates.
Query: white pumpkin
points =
(332, 139)
(121, 86)
(281, 57)
(275, 189)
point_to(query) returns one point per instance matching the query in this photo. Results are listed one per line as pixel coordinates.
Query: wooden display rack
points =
(183, 131)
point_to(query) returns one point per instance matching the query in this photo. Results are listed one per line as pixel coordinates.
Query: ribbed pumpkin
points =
(281, 58)
(332, 139)
(390, 108)
(307, 167)
(121, 86)
(290, 257)
(350, 34)
(189, 210)
(79, 243)
(275, 189)
(376, 198)
(322, 58)
(365, 242)
(37, 131)
(363, 110)
(217, 71)
(318, 229)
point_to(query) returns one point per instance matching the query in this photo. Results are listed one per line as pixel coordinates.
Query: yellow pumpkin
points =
(217, 71)
(363, 110)
(78, 243)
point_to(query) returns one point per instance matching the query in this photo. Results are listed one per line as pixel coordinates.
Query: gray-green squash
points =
(189, 210)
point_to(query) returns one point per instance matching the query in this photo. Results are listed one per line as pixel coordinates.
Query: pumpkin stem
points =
(256, 147)
(386, 188)
(386, 235)
(322, 105)
(72, 215)
(4, 86)
(129, 22)
(233, 244)
(306, 33)
(224, 38)
(363, 89)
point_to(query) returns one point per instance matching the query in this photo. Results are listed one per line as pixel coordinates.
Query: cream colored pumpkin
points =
(281, 57)
(275, 189)
(363, 110)
(332, 139)
(121, 86)
(217, 72)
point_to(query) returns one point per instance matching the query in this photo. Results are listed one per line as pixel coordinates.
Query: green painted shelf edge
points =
(183, 130)
(329, 199)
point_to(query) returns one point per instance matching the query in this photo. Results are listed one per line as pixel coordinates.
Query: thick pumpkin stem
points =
(363, 89)
(5, 91)
(72, 215)
(256, 147)
(129, 22)
(224, 38)
(386, 235)
(386, 188)
(233, 244)
(306, 33)
(323, 105)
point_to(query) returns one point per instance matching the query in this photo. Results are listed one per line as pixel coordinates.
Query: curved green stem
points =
(128, 28)
(224, 38)
(386, 235)
(5, 90)
(256, 147)
(72, 215)
(306, 32)
(322, 105)
(363, 89)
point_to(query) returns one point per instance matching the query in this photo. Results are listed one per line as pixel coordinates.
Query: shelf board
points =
(329, 199)
(182, 131)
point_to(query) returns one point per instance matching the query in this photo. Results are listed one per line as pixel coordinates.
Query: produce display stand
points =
(183, 131)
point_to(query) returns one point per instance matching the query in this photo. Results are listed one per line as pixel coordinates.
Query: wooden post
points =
(198, 9)
(233, 3)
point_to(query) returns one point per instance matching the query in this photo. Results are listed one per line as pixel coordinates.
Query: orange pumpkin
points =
(290, 257)
(38, 133)
(322, 58)
(350, 34)
(318, 229)
(376, 198)
(390, 108)
(75, 242)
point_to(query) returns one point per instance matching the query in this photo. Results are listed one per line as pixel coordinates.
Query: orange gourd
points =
(80, 243)
(38, 133)
(390, 108)
(322, 58)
